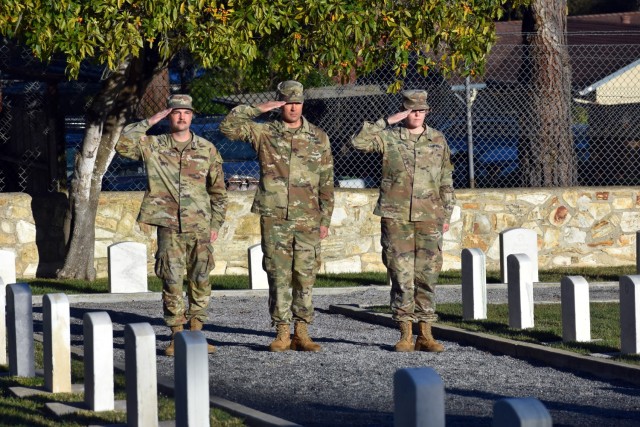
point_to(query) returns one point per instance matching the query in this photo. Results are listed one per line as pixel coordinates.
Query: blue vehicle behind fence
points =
(241, 169)
(496, 155)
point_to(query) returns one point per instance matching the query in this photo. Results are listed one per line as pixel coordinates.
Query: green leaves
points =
(336, 36)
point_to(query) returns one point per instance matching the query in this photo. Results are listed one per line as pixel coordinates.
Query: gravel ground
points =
(350, 382)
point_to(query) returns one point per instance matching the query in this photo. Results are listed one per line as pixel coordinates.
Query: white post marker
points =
(7, 276)
(141, 382)
(20, 330)
(98, 361)
(520, 292)
(630, 314)
(56, 342)
(418, 397)
(474, 284)
(523, 412)
(257, 276)
(191, 373)
(576, 317)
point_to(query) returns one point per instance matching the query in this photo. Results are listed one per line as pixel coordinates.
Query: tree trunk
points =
(548, 155)
(121, 92)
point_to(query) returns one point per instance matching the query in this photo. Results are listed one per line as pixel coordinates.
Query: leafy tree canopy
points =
(298, 36)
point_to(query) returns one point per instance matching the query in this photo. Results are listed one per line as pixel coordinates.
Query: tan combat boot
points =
(301, 340)
(406, 337)
(170, 350)
(425, 341)
(196, 325)
(283, 338)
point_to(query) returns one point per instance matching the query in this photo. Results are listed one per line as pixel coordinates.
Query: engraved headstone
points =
(127, 267)
(518, 241)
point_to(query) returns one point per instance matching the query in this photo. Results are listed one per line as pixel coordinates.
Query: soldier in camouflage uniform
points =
(295, 201)
(415, 203)
(186, 199)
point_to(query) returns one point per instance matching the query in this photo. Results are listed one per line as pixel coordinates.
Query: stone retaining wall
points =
(577, 226)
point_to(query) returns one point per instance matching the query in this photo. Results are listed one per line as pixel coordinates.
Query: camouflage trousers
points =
(412, 253)
(177, 251)
(291, 259)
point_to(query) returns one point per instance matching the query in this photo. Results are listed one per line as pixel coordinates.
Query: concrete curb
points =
(601, 368)
(157, 296)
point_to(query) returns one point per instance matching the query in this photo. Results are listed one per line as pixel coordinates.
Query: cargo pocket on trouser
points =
(172, 302)
(306, 264)
(199, 291)
(428, 267)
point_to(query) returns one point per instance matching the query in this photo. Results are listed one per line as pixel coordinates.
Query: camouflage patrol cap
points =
(415, 100)
(180, 101)
(290, 91)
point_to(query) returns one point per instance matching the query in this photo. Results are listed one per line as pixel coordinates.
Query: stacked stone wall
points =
(575, 226)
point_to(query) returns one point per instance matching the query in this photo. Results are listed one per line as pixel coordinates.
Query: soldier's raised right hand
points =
(159, 116)
(398, 117)
(270, 105)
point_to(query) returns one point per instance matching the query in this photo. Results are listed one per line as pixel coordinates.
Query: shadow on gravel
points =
(466, 421)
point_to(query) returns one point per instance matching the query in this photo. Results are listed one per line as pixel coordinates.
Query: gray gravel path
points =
(350, 383)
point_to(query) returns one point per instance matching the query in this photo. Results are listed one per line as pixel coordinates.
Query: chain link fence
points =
(41, 122)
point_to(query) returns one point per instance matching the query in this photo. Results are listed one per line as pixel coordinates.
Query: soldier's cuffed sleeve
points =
(325, 187)
(238, 125)
(217, 193)
(128, 144)
(369, 139)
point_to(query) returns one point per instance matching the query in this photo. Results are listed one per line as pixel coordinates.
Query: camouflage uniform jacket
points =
(185, 191)
(296, 166)
(417, 183)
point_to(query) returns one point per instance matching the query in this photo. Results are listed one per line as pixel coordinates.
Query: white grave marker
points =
(20, 330)
(141, 381)
(519, 241)
(520, 292)
(127, 267)
(98, 361)
(191, 373)
(576, 317)
(474, 284)
(7, 276)
(56, 343)
(257, 275)
(523, 412)
(418, 398)
(630, 314)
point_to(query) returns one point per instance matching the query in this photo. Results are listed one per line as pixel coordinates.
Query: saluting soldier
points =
(415, 202)
(295, 201)
(187, 201)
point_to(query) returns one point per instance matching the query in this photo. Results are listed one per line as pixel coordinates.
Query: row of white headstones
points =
(574, 299)
(419, 395)
(191, 361)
